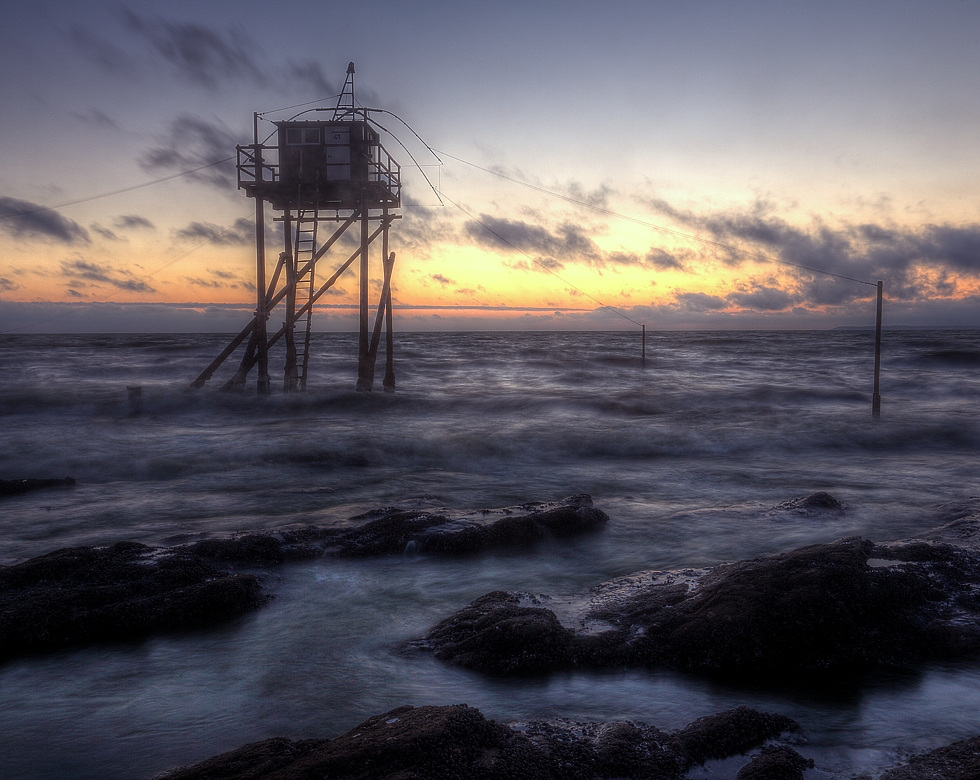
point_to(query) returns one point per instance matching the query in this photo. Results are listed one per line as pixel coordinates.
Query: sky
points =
(565, 165)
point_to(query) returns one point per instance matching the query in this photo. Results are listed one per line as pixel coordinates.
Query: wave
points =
(951, 357)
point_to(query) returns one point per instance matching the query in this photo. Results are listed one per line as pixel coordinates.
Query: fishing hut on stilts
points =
(325, 178)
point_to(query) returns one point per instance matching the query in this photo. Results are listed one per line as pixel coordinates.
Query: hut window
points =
(302, 136)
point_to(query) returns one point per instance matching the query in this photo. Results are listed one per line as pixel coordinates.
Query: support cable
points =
(89, 198)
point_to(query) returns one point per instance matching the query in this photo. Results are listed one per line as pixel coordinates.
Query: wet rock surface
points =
(15, 487)
(775, 762)
(731, 733)
(420, 532)
(497, 634)
(814, 505)
(458, 741)
(846, 606)
(394, 531)
(958, 761)
(82, 595)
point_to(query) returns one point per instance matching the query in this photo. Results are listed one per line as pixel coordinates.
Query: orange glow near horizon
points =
(471, 282)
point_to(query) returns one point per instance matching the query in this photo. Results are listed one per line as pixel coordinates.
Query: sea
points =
(692, 451)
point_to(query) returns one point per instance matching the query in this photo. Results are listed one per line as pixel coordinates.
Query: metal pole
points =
(290, 373)
(389, 380)
(363, 380)
(264, 385)
(876, 396)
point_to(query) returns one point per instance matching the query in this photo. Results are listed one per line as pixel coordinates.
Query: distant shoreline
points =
(908, 327)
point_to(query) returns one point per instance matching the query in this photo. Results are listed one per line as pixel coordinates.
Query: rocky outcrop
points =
(498, 634)
(775, 762)
(813, 505)
(394, 531)
(845, 606)
(83, 594)
(14, 487)
(458, 741)
(730, 733)
(959, 761)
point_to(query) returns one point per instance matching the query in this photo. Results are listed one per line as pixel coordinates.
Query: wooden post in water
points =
(364, 379)
(264, 384)
(876, 395)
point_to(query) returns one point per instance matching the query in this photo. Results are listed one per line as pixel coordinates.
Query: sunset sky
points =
(677, 162)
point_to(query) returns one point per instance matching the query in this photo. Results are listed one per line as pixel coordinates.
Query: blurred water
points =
(689, 454)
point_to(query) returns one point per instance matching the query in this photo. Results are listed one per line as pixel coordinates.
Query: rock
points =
(267, 547)
(730, 733)
(259, 760)
(423, 742)
(14, 487)
(616, 749)
(840, 607)
(81, 595)
(821, 607)
(459, 742)
(497, 635)
(958, 761)
(390, 534)
(422, 532)
(91, 594)
(775, 762)
(812, 505)
(394, 531)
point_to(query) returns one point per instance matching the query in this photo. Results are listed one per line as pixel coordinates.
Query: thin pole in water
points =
(876, 396)
(643, 347)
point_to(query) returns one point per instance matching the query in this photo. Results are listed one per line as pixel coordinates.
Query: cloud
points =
(830, 262)
(762, 299)
(7, 286)
(191, 143)
(700, 302)
(544, 263)
(23, 219)
(199, 54)
(444, 281)
(958, 247)
(97, 118)
(102, 52)
(568, 243)
(423, 227)
(663, 260)
(240, 233)
(495, 232)
(133, 221)
(310, 73)
(81, 271)
(221, 280)
(104, 232)
(598, 197)
(206, 56)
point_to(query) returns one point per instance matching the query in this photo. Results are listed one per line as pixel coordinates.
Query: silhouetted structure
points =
(322, 171)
